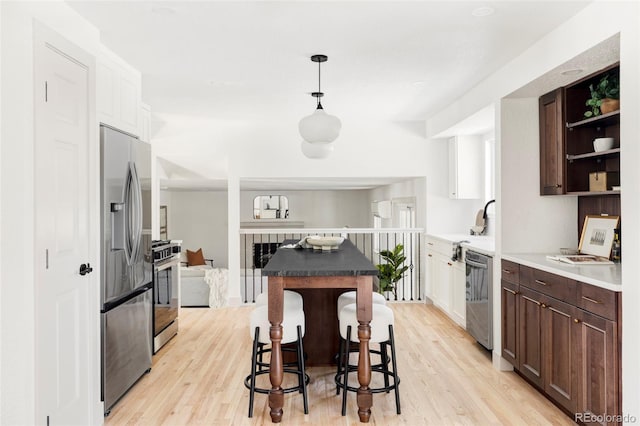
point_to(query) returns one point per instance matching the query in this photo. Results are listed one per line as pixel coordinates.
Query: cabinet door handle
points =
(558, 185)
(576, 320)
(430, 255)
(510, 291)
(449, 263)
(541, 282)
(506, 271)
(429, 244)
(531, 300)
(588, 299)
(543, 305)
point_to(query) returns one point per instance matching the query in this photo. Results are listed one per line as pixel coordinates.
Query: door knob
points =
(85, 269)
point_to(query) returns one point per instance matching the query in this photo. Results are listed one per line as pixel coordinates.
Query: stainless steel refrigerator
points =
(126, 282)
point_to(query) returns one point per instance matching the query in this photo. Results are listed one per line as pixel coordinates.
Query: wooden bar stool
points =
(293, 326)
(382, 333)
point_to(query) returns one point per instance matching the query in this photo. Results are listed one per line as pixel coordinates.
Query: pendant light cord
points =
(319, 91)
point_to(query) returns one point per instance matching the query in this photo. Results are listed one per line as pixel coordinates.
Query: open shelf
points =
(572, 157)
(593, 193)
(599, 120)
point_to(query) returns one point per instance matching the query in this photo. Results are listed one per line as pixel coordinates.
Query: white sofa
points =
(194, 291)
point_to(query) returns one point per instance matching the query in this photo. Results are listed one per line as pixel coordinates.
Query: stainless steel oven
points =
(479, 297)
(166, 260)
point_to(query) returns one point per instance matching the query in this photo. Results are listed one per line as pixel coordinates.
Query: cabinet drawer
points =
(599, 301)
(550, 284)
(510, 272)
(439, 246)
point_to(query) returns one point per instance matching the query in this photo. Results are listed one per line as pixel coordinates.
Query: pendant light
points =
(319, 129)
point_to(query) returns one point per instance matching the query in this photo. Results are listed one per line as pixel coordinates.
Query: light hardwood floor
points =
(446, 378)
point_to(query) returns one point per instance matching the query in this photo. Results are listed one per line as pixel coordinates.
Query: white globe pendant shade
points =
(316, 150)
(320, 127)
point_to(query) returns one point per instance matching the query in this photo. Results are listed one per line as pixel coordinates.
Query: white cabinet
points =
(466, 167)
(446, 280)
(442, 285)
(145, 122)
(458, 294)
(119, 89)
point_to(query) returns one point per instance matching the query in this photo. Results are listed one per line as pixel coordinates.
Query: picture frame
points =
(597, 235)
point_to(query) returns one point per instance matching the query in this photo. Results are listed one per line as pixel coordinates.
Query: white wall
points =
(199, 219)
(530, 223)
(17, 178)
(570, 39)
(317, 209)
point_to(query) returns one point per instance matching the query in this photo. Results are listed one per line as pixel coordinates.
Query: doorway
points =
(66, 344)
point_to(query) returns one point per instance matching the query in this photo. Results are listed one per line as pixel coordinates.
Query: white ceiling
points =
(249, 61)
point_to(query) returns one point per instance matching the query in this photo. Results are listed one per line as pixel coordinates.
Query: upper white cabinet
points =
(145, 122)
(118, 93)
(466, 167)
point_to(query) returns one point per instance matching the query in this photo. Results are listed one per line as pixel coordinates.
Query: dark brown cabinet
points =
(597, 366)
(510, 322)
(560, 369)
(568, 348)
(567, 155)
(509, 298)
(552, 159)
(530, 330)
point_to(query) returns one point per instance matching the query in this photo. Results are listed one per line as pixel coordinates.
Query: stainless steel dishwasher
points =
(479, 297)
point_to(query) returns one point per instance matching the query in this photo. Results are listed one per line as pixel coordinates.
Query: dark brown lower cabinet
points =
(569, 353)
(560, 369)
(530, 335)
(510, 322)
(597, 363)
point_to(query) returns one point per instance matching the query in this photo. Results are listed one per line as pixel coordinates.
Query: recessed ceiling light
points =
(575, 71)
(482, 11)
(419, 84)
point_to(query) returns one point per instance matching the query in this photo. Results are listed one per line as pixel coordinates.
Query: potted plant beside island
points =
(605, 96)
(392, 271)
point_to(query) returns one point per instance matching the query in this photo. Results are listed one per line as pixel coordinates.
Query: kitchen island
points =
(345, 268)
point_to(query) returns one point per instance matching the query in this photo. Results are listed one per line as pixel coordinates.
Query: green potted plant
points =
(392, 271)
(604, 96)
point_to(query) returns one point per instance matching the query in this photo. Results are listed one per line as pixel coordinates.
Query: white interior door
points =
(63, 305)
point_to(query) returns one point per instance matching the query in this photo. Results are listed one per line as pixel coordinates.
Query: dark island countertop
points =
(346, 261)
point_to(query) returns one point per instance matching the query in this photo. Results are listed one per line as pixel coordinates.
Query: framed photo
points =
(597, 235)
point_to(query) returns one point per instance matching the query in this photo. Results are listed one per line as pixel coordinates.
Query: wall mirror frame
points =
(271, 207)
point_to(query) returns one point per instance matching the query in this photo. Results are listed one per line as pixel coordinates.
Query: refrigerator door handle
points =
(137, 197)
(128, 217)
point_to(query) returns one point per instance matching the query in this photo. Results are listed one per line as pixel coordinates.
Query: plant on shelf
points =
(392, 271)
(604, 96)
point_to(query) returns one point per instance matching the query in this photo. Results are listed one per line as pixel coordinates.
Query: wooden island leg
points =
(364, 313)
(276, 373)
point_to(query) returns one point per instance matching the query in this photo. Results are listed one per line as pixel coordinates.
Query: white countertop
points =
(484, 244)
(605, 276)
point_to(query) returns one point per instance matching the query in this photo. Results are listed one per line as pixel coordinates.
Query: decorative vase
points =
(608, 105)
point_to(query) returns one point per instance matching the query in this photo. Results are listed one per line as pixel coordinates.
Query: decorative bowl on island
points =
(324, 243)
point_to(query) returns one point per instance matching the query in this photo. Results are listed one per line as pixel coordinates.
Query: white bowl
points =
(324, 243)
(602, 144)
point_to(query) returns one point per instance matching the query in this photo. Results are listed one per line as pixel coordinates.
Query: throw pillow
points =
(195, 257)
